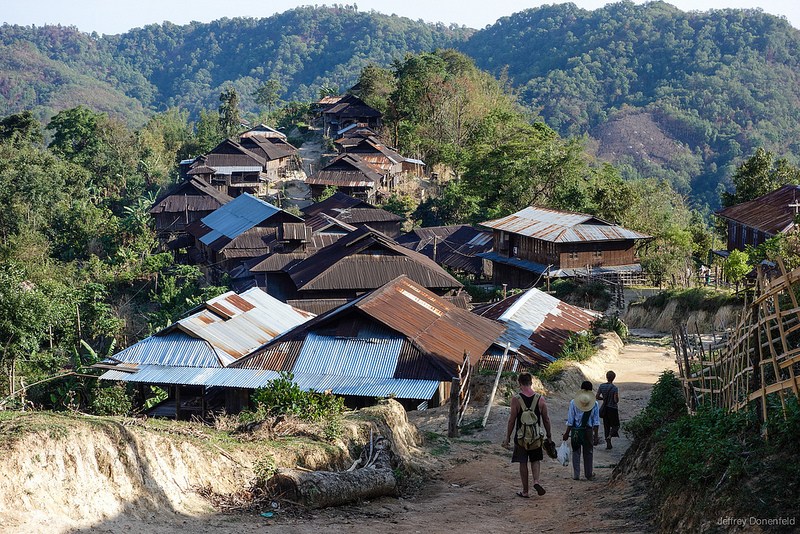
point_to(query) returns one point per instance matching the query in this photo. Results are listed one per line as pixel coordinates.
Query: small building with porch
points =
(537, 243)
(753, 222)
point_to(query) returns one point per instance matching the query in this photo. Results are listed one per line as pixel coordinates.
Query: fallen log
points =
(320, 489)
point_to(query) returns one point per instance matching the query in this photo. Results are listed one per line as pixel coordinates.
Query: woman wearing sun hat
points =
(583, 425)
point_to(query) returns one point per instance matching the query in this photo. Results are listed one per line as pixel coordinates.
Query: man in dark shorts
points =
(609, 412)
(521, 455)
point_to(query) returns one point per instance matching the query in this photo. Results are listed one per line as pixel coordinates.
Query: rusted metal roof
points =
(316, 306)
(561, 226)
(191, 195)
(366, 259)
(400, 331)
(770, 213)
(538, 323)
(456, 247)
(432, 324)
(350, 106)
(278, 260)
(294, 231)
(347, 170)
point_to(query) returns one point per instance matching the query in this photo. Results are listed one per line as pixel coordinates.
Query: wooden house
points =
(399, 340)
(234, 169)
(753, 222)
(241, 230)
(280, 156)
(347, 110)
(350, 266)
(349, 174)
(186, 203)
(534, 243)
(354, 212)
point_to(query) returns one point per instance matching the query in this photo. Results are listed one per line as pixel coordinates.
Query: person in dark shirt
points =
(609, 411)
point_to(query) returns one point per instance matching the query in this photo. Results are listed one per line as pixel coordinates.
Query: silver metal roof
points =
(401, 388)
(223, 330)
(561, 227)
(236, 217)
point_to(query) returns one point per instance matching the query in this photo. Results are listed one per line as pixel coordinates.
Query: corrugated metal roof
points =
(438, 328)
(174, 348)
(192, 195)
(561, 227)
(456, 247)
(439, 333)
(347, 170)
(257, 378)
(769, 213)
(338, 200)
(538, 323)
(238, 324)
(237, 216)
(371, 354)
(223, 329)
(366, 259)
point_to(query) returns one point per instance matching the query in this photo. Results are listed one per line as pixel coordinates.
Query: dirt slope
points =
(471, 488)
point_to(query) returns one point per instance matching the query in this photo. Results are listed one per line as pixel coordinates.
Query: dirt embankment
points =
(62, 472)
(662, 319)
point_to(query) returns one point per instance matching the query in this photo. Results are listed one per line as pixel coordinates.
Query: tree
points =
(229, 120)
(21, 128)
(76, 134)
(736, 267)
(759, 175)
(268, 94)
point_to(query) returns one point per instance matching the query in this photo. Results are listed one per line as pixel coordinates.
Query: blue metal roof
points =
(236, 217)
(256, 378)
(175, 348)
(374, 357)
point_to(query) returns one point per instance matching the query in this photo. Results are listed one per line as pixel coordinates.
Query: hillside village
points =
(315, 320)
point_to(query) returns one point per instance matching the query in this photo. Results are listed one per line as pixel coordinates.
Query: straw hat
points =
(584, 400)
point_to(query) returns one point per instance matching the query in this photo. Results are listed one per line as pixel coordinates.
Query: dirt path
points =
(472, 489)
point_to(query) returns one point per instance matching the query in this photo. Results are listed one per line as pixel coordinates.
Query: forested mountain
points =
(659, 92)
(188, 66)
(681, 95)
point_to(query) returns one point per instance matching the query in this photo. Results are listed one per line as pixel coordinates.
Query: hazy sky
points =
(117, 16)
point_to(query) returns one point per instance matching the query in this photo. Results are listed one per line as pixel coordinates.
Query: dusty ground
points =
(473, 484)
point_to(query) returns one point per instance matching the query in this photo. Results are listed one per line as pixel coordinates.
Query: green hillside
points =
(659, 92)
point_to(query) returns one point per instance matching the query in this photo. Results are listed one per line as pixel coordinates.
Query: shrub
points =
(578, 347)
(666, 404)
(283, 397)
(112, 400)
(611, 323)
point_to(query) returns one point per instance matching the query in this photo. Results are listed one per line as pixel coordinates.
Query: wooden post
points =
(496, 383)
(435, 243)
(455, 395)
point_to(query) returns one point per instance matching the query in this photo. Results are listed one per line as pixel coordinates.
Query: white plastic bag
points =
(563, 453)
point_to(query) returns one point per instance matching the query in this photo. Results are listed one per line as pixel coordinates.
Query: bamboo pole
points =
(496, 383)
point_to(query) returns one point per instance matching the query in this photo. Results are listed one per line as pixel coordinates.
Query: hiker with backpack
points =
(609, 411)
(583, 424)
(530, 425)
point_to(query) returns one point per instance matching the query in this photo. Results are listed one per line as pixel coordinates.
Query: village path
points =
(473, 484)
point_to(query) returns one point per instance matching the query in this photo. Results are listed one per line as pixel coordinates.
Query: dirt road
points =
(473, 483)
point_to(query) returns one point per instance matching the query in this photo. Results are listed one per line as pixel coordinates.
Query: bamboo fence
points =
(755, 362)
